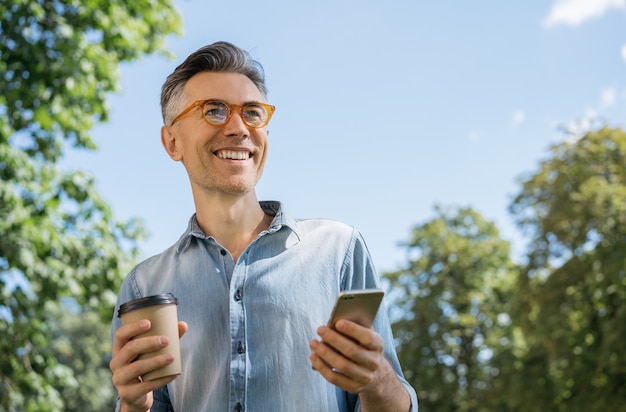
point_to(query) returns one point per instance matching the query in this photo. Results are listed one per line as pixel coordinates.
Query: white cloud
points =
(608, 96)
(517, 118)
(575, 12)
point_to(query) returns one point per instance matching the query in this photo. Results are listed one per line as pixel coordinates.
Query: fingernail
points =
(341, 325)
(314, 344)
(163, 340)
(169, 357)
(144, 324)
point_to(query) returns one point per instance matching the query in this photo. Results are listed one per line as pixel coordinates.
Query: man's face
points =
(225, 159)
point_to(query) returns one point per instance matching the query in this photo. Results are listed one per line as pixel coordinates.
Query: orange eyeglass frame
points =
(231, 109)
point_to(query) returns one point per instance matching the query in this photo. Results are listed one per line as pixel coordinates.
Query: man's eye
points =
(253, 112)
(214, 109)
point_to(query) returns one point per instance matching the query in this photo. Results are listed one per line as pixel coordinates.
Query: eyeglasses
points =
(217, 112)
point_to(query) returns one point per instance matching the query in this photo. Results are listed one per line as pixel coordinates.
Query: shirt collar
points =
(270, 207)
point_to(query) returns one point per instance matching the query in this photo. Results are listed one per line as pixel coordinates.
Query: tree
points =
(574, 286)
(478, 333)
(81, 346)
(58, 237)
(453, 298)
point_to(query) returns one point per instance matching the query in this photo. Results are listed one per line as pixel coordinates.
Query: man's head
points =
(215, 118)
(221, 57)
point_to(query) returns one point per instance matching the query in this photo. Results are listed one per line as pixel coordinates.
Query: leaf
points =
(59, 238)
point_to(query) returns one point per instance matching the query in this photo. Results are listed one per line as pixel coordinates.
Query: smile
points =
(232, 154)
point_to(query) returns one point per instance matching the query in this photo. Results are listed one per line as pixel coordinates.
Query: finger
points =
(359, 344)
(182, 329)
(133, 349)
(335, 360)
(133, 371)
(125, 333)
(330, 373)
(135, 393)
(130, 375)
(349, 348)
(366, 337)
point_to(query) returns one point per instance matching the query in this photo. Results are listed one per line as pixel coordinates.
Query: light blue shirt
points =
(250, 322)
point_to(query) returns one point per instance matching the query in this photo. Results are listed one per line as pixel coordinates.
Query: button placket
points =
(238, 336)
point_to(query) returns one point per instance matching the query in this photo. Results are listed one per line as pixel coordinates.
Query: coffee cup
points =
(161, 311)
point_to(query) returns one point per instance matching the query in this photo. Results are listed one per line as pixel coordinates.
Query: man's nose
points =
(235, 125)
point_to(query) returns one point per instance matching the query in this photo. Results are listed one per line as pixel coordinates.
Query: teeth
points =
(231, 154)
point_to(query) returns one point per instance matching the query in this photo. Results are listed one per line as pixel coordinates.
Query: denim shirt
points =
(250, 322)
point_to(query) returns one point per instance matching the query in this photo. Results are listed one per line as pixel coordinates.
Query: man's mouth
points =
(232, 154)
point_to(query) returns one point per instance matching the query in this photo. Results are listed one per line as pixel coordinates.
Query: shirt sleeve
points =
(359, 272)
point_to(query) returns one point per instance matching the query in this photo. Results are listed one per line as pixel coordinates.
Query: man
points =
(253, 283)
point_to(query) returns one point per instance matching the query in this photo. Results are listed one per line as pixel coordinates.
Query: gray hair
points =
(220, 57)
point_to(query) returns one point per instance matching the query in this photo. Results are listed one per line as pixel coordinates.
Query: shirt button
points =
(238, 295)
(223, 252)
(240, 349)
(238, 407)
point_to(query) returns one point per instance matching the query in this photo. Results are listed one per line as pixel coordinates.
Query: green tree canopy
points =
(574, 287)
(58, 237)
(478, 333)
(452, 294)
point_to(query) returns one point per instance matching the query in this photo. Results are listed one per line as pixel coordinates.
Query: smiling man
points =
(254, 284)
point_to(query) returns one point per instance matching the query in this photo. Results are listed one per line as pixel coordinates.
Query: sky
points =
(383, 109)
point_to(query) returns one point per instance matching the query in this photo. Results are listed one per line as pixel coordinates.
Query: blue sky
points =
(384, 109)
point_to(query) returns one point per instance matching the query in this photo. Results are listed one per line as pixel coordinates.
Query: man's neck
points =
(233, 220)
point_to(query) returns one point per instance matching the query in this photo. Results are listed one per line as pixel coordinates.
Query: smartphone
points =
(358, 306)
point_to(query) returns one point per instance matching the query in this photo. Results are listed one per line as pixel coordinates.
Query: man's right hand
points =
(135, 394)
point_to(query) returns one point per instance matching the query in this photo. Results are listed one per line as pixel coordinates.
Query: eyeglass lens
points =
(217, 112)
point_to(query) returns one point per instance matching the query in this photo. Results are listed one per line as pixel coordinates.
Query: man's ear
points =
(168, 139)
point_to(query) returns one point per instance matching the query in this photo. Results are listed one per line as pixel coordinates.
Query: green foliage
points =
(58, 237)
(478, 333)
(80, 342)
(454, 296)
(574, 286)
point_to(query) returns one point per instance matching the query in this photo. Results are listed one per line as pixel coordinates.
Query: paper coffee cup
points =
(160, 310)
